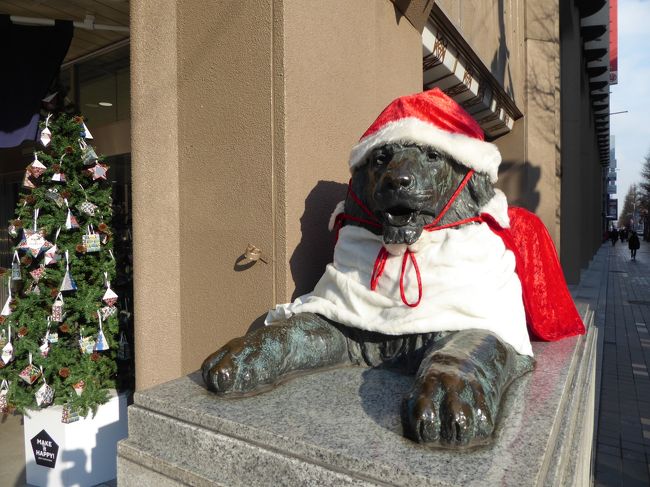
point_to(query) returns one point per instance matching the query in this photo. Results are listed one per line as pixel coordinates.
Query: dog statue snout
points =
(396, 180)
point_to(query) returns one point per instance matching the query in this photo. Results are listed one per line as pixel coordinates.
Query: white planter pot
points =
(82, 453)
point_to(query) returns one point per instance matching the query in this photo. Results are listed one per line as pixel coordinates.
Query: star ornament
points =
(98, 171)
(34, 243)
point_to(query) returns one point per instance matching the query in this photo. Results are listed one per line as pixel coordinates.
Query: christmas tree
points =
(59, 330)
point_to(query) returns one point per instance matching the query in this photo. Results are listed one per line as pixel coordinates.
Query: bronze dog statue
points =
(419, 281)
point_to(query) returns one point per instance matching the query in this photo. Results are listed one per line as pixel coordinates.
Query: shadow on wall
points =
(500, 65)
(316, 247)
(521, 180)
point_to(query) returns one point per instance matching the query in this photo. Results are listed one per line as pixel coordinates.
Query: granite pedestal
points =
(342, 427)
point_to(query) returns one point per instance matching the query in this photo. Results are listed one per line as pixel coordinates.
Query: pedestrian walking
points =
(613, 236)
(633, 244)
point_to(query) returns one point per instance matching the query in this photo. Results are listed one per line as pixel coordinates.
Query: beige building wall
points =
(242, 118)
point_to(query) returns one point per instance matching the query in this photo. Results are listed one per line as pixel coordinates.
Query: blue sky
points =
(632, 129)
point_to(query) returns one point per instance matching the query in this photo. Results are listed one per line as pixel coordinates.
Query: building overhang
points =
(449, 63)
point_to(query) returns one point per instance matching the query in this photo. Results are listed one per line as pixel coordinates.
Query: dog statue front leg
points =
(257, 361)
(455, 399)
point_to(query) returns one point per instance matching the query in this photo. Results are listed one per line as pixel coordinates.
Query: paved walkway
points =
(623, 316)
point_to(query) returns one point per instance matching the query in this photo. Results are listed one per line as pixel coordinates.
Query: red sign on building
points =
(613, 42)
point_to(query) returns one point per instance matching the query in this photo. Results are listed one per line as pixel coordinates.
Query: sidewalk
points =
(623, 319)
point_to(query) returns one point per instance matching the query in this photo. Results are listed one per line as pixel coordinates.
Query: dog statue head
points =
(407, 185)
(411, 169)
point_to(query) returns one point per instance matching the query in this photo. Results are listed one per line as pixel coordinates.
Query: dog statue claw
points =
(426, 278)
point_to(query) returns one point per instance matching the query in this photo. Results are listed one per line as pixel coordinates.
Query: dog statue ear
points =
(481, 188)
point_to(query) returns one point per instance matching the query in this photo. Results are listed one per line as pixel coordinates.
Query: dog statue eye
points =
(381, 157)
(433, 154)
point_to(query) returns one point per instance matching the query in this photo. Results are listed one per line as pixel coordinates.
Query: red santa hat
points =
(431, 118)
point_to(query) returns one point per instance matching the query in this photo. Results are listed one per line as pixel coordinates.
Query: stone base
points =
(342, 427)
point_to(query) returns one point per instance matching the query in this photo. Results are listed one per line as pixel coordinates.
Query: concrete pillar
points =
(543, 112)
(243, 117)
(576, 171)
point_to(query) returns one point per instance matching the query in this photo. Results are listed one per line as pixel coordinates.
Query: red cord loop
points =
(409, 254)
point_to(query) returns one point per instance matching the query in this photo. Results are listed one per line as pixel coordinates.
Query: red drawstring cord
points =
(432, 226)
(378, 269)
(338, 221)
(382, 256)
(414, 261)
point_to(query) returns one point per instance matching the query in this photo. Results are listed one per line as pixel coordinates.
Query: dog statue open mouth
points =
(426, 277)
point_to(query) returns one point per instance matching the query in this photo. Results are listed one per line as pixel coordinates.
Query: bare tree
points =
(644, 188)
(628, 217)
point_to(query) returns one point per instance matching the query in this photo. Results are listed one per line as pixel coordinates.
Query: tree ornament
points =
(110, 297)
(45, 346)
(108, 311)
(79, 387)
(31, 373)
(33, 289)
(16, 275)
(46, 134)
(101, 345)
(91, 240)
(124, 350)
(86, 344)
(85, 133)
(4, 394)
(68, 283)
(98, 171)
(53, 194)
(52, 336)
(57, 308)
(6, 309)
(27, 180)
(15, 226)
(69, 415)
(88, 208)
(59, 176)
(37, 273)
(36, 168)
(70, 221)
(51, 255)
(88, 155)
(45, 394)
(8, 349)
(33, 240)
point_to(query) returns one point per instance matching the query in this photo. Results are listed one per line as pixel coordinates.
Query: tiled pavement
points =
(623, 316)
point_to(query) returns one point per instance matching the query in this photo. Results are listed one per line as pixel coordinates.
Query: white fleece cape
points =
(468, 282)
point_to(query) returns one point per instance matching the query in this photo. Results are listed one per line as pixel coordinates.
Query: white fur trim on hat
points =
(483, 157)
